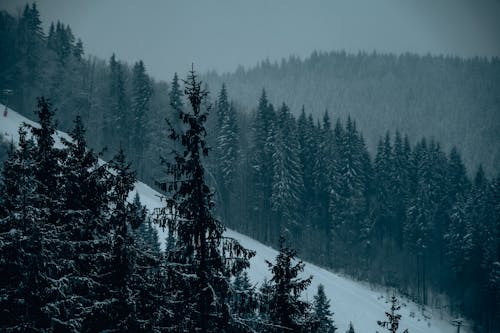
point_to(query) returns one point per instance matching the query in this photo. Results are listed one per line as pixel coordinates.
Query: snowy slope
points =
(350, 300)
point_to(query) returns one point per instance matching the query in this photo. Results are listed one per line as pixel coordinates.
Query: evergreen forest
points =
(338, 169)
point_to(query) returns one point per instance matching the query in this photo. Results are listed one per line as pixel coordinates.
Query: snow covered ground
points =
(351, 301)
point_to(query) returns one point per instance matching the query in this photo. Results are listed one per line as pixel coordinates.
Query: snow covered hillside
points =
(350, 301)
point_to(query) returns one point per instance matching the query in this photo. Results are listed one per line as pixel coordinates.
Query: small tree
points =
(393, 318)
(287, 312)
(322, 313)
(351, 328)
(244, 303)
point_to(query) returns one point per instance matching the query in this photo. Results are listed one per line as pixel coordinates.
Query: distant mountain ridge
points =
(454, 100)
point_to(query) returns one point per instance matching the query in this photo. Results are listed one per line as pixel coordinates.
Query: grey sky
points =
(221, 34)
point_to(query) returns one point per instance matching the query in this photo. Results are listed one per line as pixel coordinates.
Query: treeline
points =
(410, 218)
(451, 99)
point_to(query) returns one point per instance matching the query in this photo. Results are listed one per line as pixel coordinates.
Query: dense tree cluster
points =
(109, 96)
(449, 98)
(411, 205)
(77, 256)
(69, 239)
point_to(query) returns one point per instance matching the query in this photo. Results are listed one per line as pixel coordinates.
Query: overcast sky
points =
(222, 34)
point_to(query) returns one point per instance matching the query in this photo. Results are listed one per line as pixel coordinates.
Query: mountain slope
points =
(351, 301)
(451, 99)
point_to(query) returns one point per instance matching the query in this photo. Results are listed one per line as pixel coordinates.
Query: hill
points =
(351, 301)
(450, 99)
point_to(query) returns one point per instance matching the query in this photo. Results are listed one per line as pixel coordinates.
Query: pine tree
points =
(261, 162)
(348, 202)
(123, 255)
(18, 263)
(116, 126)
(383, 186)
(222, 107)
(176, 94)
(244, 303)
(400, 184)
(142, 91)
(41, 233)
(305, 136)
(84, 231)
(286, 311)
(287, 183)
(351, 328)
(29, 48)
(227, 151)
(324, 172)
(175, 98)
(202, 260)
(393, 318)
(457, 173)
(322, 312)
(47, 170)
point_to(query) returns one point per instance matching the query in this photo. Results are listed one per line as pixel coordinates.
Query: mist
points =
(220, 35)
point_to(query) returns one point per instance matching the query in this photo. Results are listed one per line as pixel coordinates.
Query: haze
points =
(220, 35)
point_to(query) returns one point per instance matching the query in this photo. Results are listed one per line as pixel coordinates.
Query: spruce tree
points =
(123, 252)
(18, 263)
(325, 171)
(348, 202)
(322, 313)
(175, 95)
(227, 152)
(400, 185)
(286, 311)
(244, 303)
(116, 123)
(393, 318)
(287, 182)
(305, 136)
(85, 231)
(261, 162)
(457, 174)
(38, 227)
(29, 49)
(142, 92)
(202, 260)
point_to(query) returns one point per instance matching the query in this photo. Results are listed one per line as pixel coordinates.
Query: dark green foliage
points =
(68, 253)
(287, 183)
(227, 152)
(348, 202)
(261, 162)
(244, 304)
(201, 261)
(116, 125)
(20, 243)
(414, 207)
(449, 98)
(142, 91)
(322, 313)
(285, 310)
